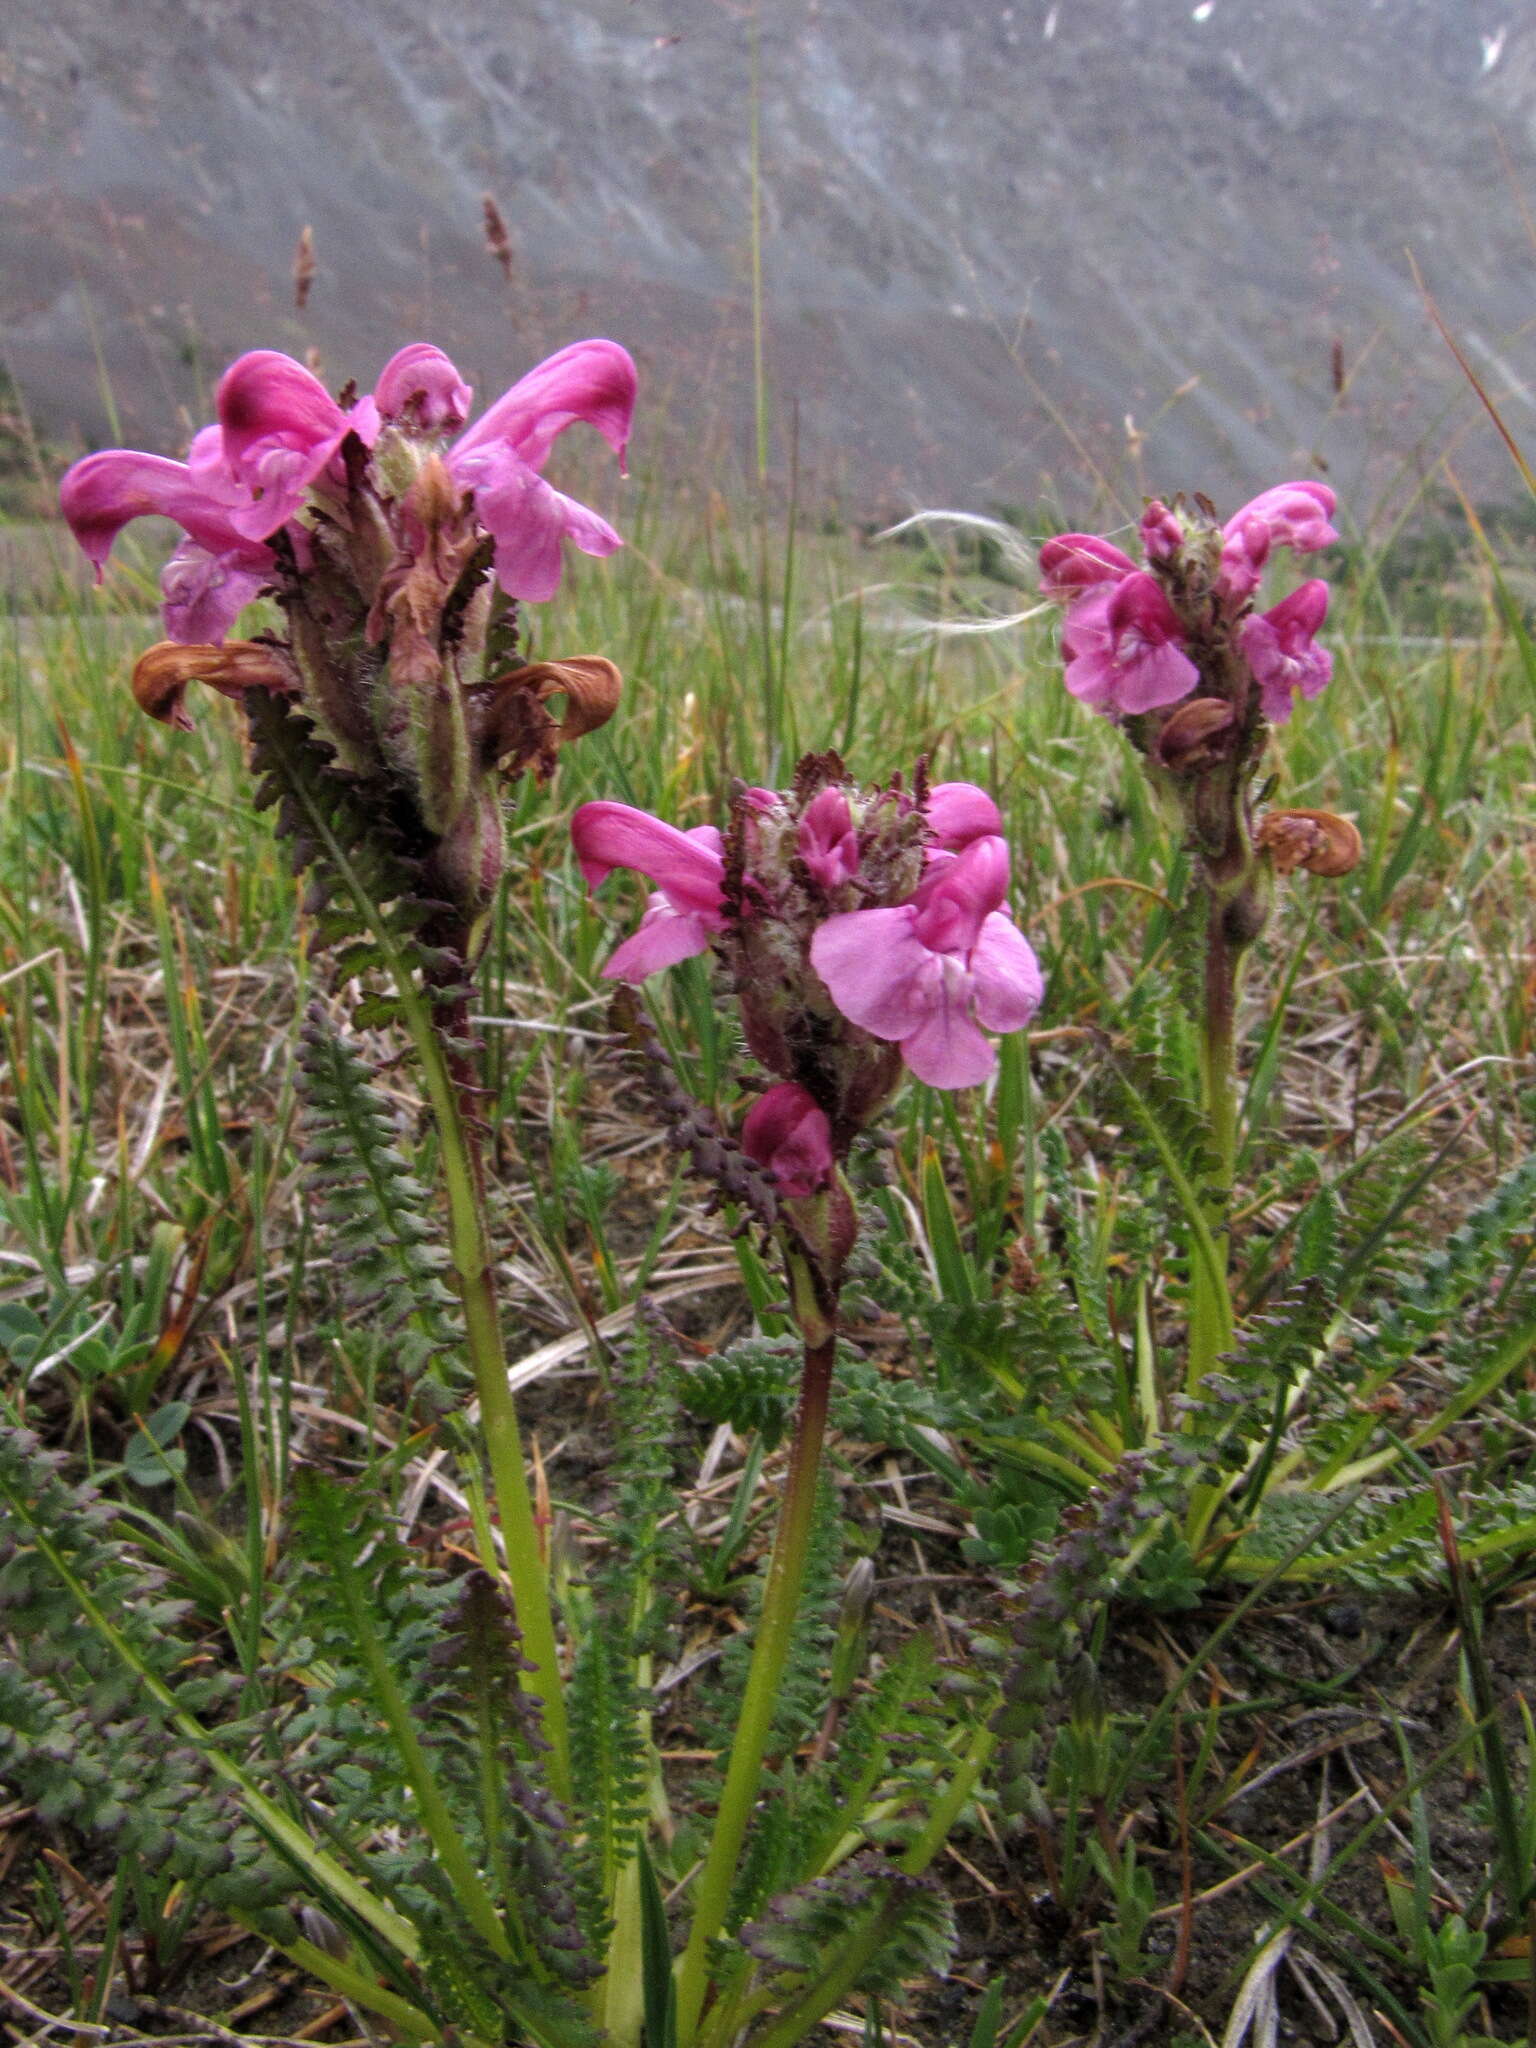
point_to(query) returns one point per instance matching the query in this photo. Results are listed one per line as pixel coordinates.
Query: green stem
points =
(1210, 1305)
(470, 1250)
(770, 1653)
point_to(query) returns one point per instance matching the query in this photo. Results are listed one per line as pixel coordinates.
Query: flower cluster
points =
(860, 928)
(1142, 638)
(397, 539)
(280, 442)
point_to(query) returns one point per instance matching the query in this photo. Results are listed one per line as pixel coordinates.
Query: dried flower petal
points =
(1320, 841)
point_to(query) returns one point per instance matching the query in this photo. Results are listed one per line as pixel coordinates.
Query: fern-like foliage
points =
(750, 1385)
(803, 1686)
(1429, 1300)
(804, 1928)
(378, 1218)
(620, 1620)
(1164, 1115)
(370, 888)
(83, 1737)
(453, 1655)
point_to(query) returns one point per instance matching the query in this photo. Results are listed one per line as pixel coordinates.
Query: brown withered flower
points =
(1320, 841)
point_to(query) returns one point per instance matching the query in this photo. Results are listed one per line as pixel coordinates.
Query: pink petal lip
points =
(664, 937)
(948, 1050)
(685, 866)
(876, 969)
(1006, 981)
(528, 519)
(203, 594)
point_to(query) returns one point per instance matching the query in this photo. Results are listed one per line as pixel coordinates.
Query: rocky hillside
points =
(1007, 245)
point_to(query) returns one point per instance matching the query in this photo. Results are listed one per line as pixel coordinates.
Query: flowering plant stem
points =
(1210, 1315)
(470, 1250)
(815, 1306)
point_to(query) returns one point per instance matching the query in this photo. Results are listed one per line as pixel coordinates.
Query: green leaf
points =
(656, 1952)
(950, 1263)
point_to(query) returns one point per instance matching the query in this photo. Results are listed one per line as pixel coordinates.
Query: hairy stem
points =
(770, 1653)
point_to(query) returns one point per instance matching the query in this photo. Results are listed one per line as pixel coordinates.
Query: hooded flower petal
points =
(1296, 515)
(1141, 663)
(1244, 551)
(593, 381)
(826, 840)
(954, 901)
(787, 1133)
(958, 812)
(420, 383)
(685, 866)
(101, 493)
(1162, 534)
(281, 427)
(1072, 563)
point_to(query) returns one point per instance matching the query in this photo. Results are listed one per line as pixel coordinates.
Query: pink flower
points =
(499, 458)
(934, 972)
(280, 429)
(1073, 563)
(215, 571)
(788, 1134)
(280, 432)
(1244, 551)
(958, 812)
(1295, 516)
(1125, 654)
(1279, 647)
(684, 913)
(826, 840)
